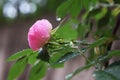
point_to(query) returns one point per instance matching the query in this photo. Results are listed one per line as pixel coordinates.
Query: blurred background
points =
(16, 17)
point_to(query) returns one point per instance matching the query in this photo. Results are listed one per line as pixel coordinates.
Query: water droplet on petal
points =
(58, 18)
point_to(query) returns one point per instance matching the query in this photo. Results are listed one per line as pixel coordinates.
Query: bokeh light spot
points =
(9, 11)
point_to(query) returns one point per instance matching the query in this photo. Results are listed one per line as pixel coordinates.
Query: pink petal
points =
(39, 34)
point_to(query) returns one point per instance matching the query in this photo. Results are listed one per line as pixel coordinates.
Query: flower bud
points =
(39, 34)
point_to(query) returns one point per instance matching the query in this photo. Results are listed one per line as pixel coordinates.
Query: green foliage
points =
(32, 58)
(73, 9)
(55, 58)
(98, 42)
(17, 69)
(116, 11)
(83, 30)
(82, 19)
(110, 73)
(116, 1)
(102, 75)
(113, 53)
(38, 71)
(67, 57)
(20, 54)
(59, 51)
(67, 31)
(68, 7)
(69, 76)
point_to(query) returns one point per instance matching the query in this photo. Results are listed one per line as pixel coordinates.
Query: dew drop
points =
(68, 76)
(91, 8)
(94, 75)
(61, 61)
(58, 18)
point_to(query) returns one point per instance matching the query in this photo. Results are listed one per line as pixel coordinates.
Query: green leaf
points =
(54, 58)
(68, 56)
(113, 53)
(98, 42)
(110, 73)
(86, 4)
(17, 69)
(69, 7)
(102, 75)
(105, 19)
(116, 11)
(93, 2)
(115, 63)
(117, 1)
(73, 7)
(92, 13)
(114, 70)
(32, 58)
(62, 10)
(103, 1)
(83, 29)
(91, 56)
(38, 71)
(67, 32)
(20, 54)
(101, 13)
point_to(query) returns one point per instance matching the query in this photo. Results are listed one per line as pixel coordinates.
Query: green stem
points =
(69, 77)
(106, 5)
(84, 56)
(54, 30)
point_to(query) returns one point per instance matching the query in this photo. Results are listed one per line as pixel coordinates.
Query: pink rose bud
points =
(39, 34)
